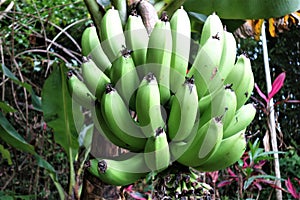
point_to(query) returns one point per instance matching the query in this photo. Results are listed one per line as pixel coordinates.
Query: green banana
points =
(244, 90)
(181, 39)
(212, 27)
(120, 171)
(125, 78)
(156, 153)
(111, 34)
(205, 67)
(137, 39)
(184, 109)
(243, 117)
(79, 92)
(106, 132)
(241, 79)
(159, 56)
(91, 47)
(116, 114)
(94, 78)
(228, 54)
(148, 106)
(230, 150)
(223, 106)
(200, 145)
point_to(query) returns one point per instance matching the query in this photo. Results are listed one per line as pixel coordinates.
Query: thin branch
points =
(42, 51)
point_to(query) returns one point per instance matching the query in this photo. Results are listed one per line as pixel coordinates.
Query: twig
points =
(62, 31)
(44, 32)
(3, 76)
(42, 51)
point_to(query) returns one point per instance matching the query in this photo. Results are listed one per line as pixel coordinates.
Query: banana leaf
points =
(241, 9)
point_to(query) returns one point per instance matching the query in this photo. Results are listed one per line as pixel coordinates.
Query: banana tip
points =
(102, 166)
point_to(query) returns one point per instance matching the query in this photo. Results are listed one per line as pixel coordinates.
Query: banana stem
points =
(72, 173)
(171, 7)
(271, 117)
(96, 11)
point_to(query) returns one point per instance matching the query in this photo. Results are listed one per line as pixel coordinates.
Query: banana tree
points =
(229, 10)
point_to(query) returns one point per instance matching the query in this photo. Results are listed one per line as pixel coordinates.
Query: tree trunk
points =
(271, 117)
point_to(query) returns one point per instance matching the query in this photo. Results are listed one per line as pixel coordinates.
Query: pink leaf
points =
(224, 183)
(261, 94)
(214, 175)
(277, 85)
(291, 188)
(231, 173)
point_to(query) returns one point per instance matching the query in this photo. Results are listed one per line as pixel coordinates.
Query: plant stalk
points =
(271, 116)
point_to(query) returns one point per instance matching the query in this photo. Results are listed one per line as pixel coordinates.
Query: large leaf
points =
(243, 9)
(60, 112)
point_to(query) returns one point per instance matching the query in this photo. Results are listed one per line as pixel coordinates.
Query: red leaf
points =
(231, 173)
(291, 188)
(277, 85)
(224, 183)
(214, 175)
(261, 94)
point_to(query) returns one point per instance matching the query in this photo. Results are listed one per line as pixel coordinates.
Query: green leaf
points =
(63, 115)
(86, 136)
(12, 137)
(36, 102)
(239, 9)
(252, 178)
(60, 112)
(5, 154)
(6, 107)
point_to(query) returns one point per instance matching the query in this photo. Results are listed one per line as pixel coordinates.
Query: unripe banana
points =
(79, 92)
(137, 39)
(200, 145)
(205, 67)
(148, 106)
(184, 109)
(159, 56)
(223, 106)
(241, 79)
(124, 76)
(122, 170)
(181, 39)
(111, 34)
(157, 155)
(212, 27)
(228, 55)
(230, 150)
(106, 132)
(94, 78)
(91, 47)
(116, 114)
(241, 120)
(244, 90)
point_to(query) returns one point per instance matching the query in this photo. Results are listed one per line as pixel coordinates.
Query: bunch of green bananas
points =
(145, 96)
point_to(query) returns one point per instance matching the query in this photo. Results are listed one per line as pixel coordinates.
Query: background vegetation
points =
(36, 34)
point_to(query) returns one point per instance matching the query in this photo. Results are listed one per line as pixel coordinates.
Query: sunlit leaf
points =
(6, 107)
(5, 154)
